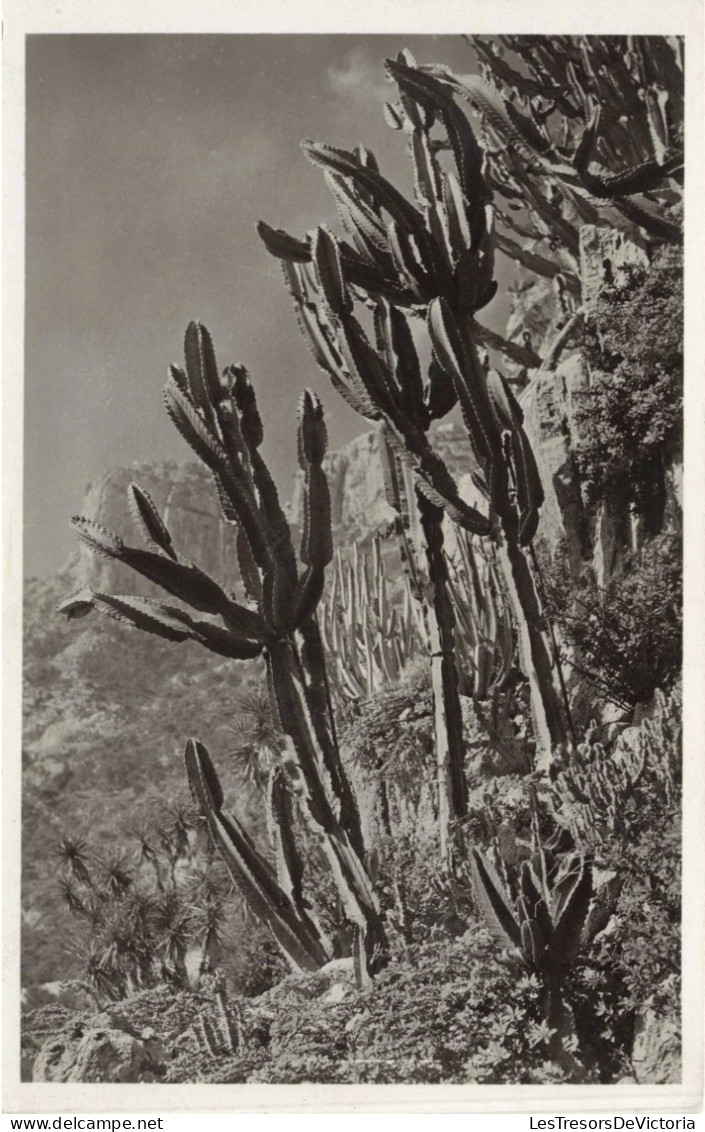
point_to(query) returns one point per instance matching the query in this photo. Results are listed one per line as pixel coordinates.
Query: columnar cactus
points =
(484, 631)
(278, 905)
(578, 133)
(368, 639)
(432, 258)
(217, 414)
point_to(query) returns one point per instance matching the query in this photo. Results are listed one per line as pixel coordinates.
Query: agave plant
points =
(218, 416)
(553, 917)
(116, 878)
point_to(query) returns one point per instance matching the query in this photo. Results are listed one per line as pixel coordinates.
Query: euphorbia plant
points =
(217, 414)
(432, 258)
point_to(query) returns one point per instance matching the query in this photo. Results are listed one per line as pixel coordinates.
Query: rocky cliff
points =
(186, 498)
(600, 534)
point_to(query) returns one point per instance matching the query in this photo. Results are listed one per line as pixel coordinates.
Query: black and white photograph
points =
(352, 564)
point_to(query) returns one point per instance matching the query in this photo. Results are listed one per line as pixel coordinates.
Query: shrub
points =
(161, 911)
(634, 410)
(448, 1011)
(627, 635)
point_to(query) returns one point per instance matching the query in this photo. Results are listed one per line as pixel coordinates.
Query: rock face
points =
(358, 505)
(606, 255)
(356, 489)
(549, 404)
(656, 1054)
(186, 499)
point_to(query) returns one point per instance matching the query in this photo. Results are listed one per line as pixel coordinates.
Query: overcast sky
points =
(149, 160)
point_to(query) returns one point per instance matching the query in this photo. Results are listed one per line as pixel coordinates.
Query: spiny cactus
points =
(558, 146)
(594, 791)
(484, 632)
(253, 875)
(434, 257)
(218, 416)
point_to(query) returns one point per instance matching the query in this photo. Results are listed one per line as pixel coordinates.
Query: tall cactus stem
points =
(448, 717)
(313, 675)
(534, 658)
(330, 821)
(555, 650)
(550, 725)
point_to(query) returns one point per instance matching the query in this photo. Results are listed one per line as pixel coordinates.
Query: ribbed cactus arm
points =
(252, 874)
(325, 798)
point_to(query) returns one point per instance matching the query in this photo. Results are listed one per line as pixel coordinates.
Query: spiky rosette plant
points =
(218, 416)
(553, 915)
(432, 258)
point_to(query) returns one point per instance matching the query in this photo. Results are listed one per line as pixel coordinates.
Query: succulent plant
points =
(432, 258)
(594, 788)
(369, 638)
(218, 416)
(553, 917)
(577, 127)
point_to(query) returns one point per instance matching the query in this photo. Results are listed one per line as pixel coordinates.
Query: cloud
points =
(358, 75)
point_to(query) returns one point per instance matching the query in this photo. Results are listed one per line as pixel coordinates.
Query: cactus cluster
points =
(217, 414)
(431, 258)
(369, 639)
(577, 127)
(471, 603)
(552, 915)
(484, 633)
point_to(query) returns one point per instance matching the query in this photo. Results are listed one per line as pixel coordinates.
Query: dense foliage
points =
(160, 909)
(624, 639)
(631, 419)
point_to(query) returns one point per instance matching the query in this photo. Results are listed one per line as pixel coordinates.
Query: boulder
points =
(113, 1056)
(55, 1059)
(100, 1055)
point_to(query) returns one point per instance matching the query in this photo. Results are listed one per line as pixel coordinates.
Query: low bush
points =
(626, 638)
